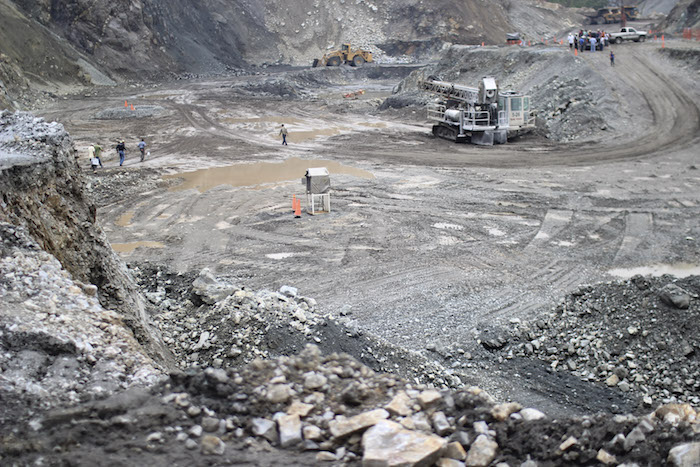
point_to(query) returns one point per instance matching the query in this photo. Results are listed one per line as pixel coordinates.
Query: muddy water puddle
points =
(125, 219)
(260, 173)
(676, 269)
(130, 247)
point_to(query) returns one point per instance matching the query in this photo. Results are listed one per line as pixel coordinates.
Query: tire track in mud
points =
(637, 226)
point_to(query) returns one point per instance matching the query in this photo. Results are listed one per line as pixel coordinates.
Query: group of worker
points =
(95, 151)
(591, 40)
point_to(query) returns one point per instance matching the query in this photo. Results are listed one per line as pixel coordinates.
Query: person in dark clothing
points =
(121, 150)
(142, 148)
(612, 58)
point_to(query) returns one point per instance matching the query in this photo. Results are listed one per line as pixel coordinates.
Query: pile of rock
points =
(641, 336)
(58, 345)
(343, 411)
(231, 325)
(337, 410)
(208, 320)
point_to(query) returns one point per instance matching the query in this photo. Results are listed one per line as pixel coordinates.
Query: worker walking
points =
(612, 58)
(283, 132)
(121, 150)
(142, 148)
(593, 43)
(94, 157)
(571, 41)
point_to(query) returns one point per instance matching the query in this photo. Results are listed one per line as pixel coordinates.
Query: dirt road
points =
(428, 242)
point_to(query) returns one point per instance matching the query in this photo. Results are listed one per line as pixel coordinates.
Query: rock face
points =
(686, 14)
(43, 192)
(108, 41)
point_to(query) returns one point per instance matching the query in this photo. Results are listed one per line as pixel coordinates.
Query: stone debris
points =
(389, 444)
(299, 408)
(289, 430)
(529, 414)
(446, 462)
(429, 398)
(685, 455)
(605, 457)
(675, 296)
(265, 428)
(213, 445)
(400, 405)
(638, 336)
(481, 452)
(455, 450)
(440, 423)
(569, 442)
(503, 411)
(342, 426)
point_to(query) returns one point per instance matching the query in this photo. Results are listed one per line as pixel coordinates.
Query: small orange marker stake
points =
(575, 52)
(663, 43)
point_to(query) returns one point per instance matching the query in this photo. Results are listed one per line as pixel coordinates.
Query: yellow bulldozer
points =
(347, 55)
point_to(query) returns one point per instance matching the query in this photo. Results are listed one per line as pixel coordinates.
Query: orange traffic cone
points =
(482, 44)
(126, 104)
(663, 43)
(132, 106)
(297, 209)
(576, 52)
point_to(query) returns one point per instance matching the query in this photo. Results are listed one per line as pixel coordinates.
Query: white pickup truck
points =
(628, 34)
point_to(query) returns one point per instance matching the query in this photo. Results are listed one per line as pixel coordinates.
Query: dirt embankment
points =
(47, 47)
(43, 191)
(686, 14)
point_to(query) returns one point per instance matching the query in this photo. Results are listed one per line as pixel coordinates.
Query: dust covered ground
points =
(428, 242)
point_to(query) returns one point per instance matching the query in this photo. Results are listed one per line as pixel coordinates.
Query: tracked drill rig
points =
(482, 115)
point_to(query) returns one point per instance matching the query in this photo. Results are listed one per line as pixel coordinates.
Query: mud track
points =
(445, 241)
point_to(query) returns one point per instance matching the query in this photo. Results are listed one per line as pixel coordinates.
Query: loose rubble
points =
(219, 413)
(58, 345)
(640, 336)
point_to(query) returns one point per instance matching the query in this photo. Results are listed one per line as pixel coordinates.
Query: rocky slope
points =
(75, 43)
(43, 191)
(651, 7)
(686, 14)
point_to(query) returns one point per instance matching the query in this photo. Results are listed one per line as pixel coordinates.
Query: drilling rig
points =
(483, 115)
